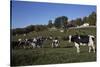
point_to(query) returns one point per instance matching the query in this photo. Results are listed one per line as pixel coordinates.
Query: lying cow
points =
(82, 40)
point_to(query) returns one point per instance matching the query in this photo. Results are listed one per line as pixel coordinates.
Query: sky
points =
(25, 13)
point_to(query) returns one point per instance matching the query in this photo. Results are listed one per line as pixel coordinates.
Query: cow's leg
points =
(91, 43)
(24, 46)
(52, 45)
(77, 47)
(33, 45)
(93, 48)
(41, 45)
(56, 45)
(19, 44)
(38, 46)
(89, 49)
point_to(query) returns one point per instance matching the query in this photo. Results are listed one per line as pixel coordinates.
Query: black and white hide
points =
(39, 43)
(21, 43)
(14, 44)
(31, 42)
(17, 44)
(83, 40)
(55, 43)
(36, 42)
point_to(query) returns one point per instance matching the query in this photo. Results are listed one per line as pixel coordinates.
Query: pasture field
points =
(66, 53)
(40, 56)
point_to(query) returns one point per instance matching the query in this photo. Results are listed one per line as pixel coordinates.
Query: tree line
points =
(64, 23)
(59, 22)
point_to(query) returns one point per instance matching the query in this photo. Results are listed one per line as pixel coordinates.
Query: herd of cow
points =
(37, 42)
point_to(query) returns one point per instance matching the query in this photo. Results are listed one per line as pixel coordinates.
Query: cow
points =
(33, 43)
(79, 40)
(14, 44)
(20, 43)
(29, 43)
(17, 44)
(25, 43)
(55, 43)
(39, 42)
(36, 42)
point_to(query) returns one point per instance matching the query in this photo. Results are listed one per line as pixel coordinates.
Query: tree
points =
(92, 18)
(40, 27)
(18, 31)
(78, 21)
(57, 22)
(65, 21)
(85, 19)
(61, 22)
(71, 24)
(30, 28)
(50, 24)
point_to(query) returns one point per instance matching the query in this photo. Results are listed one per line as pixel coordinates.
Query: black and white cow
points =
(21, 43)
(17, 44)
(82, 40)
(36, 42)
(55, 43)
(28, 43)
(14, 44)
(39, 42)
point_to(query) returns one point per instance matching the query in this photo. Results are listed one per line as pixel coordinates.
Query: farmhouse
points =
(85, 25)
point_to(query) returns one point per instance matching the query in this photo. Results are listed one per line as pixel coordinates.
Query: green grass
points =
(40, 56)
(48, 55)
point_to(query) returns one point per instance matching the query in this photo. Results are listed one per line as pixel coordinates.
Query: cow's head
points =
(91, 37)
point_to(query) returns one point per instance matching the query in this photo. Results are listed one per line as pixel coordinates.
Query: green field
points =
(48, 55)
(51, 56)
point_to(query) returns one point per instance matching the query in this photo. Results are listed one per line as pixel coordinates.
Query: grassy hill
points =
(57, 33)
(48, 55)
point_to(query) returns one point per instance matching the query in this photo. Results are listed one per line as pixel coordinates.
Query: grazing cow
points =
(21, 43)
(55, 43)
(17, 44)
(14, 44)
(24, 43)
(29, 43)
(82, 40)
(39, 42)
(36, 42)
(19, 40)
